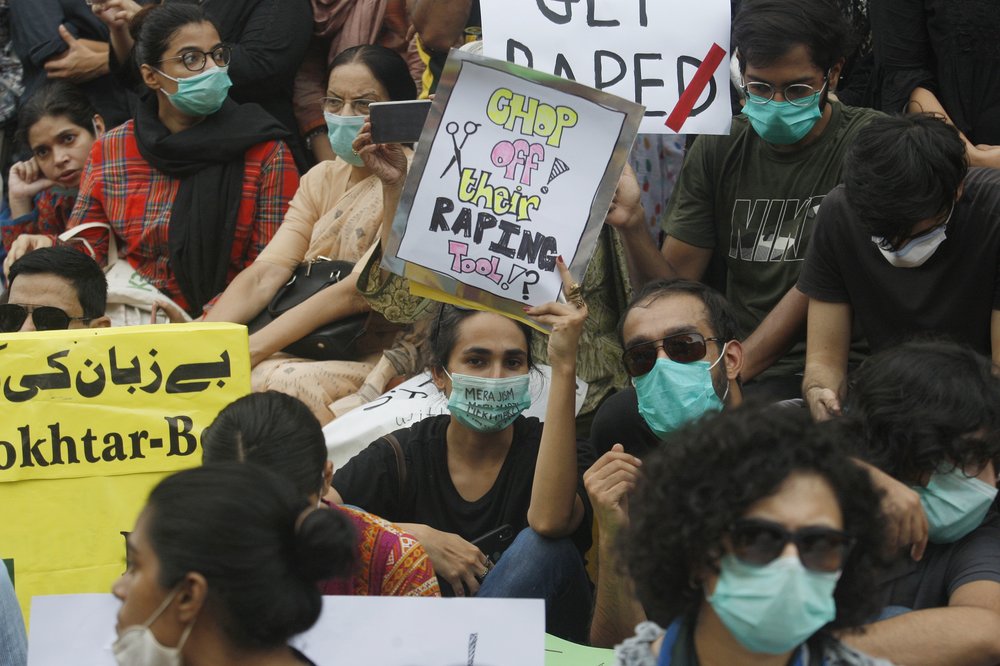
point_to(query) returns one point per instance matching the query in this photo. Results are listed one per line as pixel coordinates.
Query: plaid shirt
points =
(121, 189)
(49, 216)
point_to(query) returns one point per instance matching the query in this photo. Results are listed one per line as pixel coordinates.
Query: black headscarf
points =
(209, 161)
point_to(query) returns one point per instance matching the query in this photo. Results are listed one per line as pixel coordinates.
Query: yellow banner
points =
(90, 421)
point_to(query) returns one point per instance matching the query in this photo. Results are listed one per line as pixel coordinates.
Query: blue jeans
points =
(13, 642)
(535, 567)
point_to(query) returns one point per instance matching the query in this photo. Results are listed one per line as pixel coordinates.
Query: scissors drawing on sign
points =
(452, 129)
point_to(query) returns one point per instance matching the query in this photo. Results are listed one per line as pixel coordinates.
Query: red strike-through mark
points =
(691, 94)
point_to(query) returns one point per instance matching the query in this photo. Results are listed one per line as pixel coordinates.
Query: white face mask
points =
(137, 646)
(917, 251)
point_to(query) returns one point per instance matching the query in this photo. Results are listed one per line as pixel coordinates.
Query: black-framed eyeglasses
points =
(195, 61)
(797, 94)
(682, 348)
(44, 317)
(336, 105)
(760, 542)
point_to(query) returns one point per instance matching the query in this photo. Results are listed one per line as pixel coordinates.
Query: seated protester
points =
(53, 289)
(451, 479)
(335, 214)
(278, 432)
(58, 125)
(195, 186)
(13, 640)
(752, 538)
(223, 566)
(941, 437)
(751, 197)
(909, 244)
(683, 353)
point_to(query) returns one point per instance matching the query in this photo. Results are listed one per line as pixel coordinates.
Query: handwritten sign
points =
(514, 168)
(649, 51)
(92, 419)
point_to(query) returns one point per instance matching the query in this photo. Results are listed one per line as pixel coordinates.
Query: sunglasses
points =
(44, 317)
(682, 348)
(760, 542)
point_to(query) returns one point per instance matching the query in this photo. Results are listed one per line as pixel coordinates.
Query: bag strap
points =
(70, 234)
(400, 461)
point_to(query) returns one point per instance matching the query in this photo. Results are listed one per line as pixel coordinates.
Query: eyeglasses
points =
(797, 94)
(336, 105)
(759, 542)
(682, 348)
(194, 61)
(44, 317)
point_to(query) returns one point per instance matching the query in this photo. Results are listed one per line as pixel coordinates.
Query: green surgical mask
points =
(955, 504)
(202, 94)
(488, 404)
(342, 131)
(673, 394)
(782, 123)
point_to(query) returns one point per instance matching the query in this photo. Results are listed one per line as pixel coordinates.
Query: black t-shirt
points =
(944, 568)
(952, 294)
(618, 421)
(370, 480)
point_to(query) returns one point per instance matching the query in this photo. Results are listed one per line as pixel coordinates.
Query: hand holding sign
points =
(565, 319)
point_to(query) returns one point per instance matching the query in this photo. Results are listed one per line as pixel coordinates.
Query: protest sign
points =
(92, 420)
(514, 168)
(415, 400)
(669, 55)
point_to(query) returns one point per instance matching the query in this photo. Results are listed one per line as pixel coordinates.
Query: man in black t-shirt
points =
(908, 245)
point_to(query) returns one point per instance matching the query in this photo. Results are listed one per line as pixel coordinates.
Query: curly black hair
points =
(705, 476)
(923, 404)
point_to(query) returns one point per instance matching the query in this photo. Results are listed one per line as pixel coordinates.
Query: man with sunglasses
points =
(750, 198)
(54, 288)
(683, 354)
(908, 245)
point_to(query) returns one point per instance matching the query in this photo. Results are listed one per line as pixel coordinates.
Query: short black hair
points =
(55, 98)
(155, 25)
(900, 170)
(704, 476)
(925, 404)
(387, 66)
(273, 430)
(721, 317)
(765, 30)
(75, 267)
(444, 334)
(244, 529)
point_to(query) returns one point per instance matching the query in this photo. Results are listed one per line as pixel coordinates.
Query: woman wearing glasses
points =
(752, 540)
(335, 214)
(195, 186)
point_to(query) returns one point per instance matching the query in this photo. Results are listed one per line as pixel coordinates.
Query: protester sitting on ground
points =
(450, 480)
(195, 186)
(54, 289)
(909, 244)
(335, 214)
(752, 538)
(941, 438)
(58, 125)
(750, 198)
(279, 432)
(13, 640)
(683, 352)
(223, 566)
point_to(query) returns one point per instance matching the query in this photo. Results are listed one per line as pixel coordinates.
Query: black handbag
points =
(346, 339)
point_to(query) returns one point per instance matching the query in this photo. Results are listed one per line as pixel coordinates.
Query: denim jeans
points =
(13, 642)
(535, 567)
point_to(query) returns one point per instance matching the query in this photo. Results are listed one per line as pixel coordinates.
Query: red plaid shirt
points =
(49, 216)
(121, 189)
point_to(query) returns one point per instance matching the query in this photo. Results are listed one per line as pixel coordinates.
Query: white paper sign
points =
(79, 629)
(649, 51)
(415, 400)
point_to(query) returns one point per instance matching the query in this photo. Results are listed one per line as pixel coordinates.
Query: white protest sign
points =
(414, 400)
(649, 51)
(79, 629)
(514, 168)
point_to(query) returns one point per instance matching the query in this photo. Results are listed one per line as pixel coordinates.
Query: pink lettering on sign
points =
(462, 263)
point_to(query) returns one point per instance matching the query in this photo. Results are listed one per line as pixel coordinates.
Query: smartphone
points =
(398, 122)
(495, 542)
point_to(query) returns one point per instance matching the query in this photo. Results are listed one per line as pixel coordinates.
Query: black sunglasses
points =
(44, 317)
(682, 348)
(759, 542)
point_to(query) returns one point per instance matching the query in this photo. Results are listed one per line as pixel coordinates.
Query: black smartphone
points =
(495, 542)
(398, 122)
